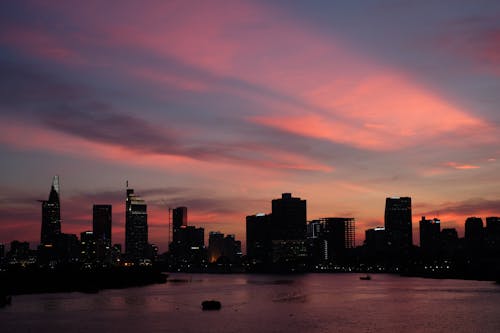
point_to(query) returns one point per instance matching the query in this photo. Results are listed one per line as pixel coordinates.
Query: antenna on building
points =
(127, 183)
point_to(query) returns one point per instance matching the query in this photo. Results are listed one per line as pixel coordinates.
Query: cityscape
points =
(282, 241)
(250, 166)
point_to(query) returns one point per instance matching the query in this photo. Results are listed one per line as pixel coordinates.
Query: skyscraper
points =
(51, 217)
(258, 238)
(179, 220)
(339, 232)
(376, 243)
(474, 235)
(398, 225)
(288, 233)
(288, 218)
(430, 236)
(101, 227)
(136, 227)
(493, 234)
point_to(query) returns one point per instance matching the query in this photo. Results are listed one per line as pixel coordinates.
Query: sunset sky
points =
(221, 106)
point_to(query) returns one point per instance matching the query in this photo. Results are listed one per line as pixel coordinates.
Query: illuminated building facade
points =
(136, 227)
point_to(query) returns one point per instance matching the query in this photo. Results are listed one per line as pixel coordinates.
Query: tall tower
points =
(51, 216)
(136, 227)
(101, 227)
(474, 235)
(398, 225)
(430, 236)
(288, 234)
(179, 220)
(289, 221)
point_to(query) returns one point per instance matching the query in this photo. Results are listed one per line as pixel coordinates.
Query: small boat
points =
(366, 277)
(211, 305)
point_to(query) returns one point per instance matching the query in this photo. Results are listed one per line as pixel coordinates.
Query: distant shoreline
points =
(55, 281)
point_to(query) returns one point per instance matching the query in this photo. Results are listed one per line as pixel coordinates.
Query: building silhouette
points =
(332, 238)
(376, 244)
(179, 221)
(398, 226)
(288, 233)
(136, 227)
(215, 246)
(430, 236)
(187, 249)
(493, 235)
(101, 228)
(223, 249)
(474, 235)
(449, 242)
(51, 217)
(258, 238)
(88, 248)
(49, 252)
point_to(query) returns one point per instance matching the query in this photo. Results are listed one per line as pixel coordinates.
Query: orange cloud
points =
(461, 166)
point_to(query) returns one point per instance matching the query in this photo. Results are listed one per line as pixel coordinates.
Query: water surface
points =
(267, 303)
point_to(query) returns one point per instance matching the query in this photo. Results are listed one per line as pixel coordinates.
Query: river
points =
(267, 303)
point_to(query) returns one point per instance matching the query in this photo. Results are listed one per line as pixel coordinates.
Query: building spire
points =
(55, 184)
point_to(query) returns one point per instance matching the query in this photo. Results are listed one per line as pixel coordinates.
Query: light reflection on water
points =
(266, 303)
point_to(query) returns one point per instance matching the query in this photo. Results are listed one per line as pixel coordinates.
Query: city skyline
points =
(397, 213)
(220, 107)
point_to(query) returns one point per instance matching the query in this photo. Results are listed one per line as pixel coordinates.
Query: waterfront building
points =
(449, 242)
(51, 216)
(288, 233)
(220, 248)
(215, 246)
(258, 238)
(68, 248)
(288, 218)
(179, 220)
(430, 236)
(474, 235)
(398, 226)
(493, 235)
(101, 227)
(136, 227)
(88, 249)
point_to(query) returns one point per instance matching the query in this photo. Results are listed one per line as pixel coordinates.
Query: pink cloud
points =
(459, 166)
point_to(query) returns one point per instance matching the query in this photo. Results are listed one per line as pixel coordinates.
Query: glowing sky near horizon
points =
(221, 106)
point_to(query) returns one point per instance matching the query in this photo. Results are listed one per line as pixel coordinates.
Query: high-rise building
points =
(335, 236)
(68, 248)
(88, 253)
(289, 218)
(493, 234)
(2, 250)
(339, 232)
(51, 216)
(449, 242)
(430, 236)
(288, 233)
(101, 227)
(179, 219)
(223, 248)
(215, 245)
(258, 237)
(136, 227)
(398, 226)
(376, 242)
(474, 235)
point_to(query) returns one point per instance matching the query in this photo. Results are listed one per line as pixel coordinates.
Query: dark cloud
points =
(474, 206)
